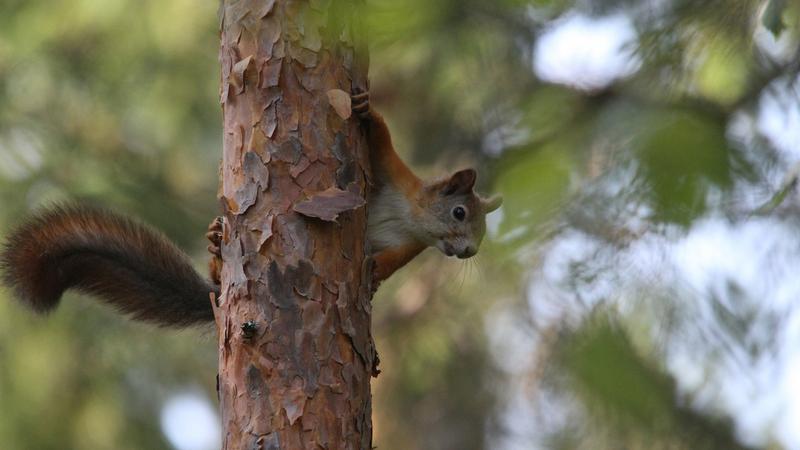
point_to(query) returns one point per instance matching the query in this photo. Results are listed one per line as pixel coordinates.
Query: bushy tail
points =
(122, 262)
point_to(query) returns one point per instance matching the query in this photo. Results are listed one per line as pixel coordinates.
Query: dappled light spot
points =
(190, 422)
(586, 52)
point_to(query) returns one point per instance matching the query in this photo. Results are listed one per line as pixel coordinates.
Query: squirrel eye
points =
(459, 213)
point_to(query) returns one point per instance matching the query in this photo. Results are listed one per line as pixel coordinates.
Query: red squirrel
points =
(137, 270)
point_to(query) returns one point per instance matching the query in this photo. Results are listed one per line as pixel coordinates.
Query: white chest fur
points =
(390, 220)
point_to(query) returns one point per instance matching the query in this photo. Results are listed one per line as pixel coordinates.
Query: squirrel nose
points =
(468, 252)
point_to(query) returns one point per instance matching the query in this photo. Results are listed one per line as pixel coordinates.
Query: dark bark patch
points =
(328, 204)
(346, 173)
(347, 239)
(260, 290)
(283, 285)
(314, 290)
(309, 365)
(280, 291)
(300, 276)
(255, 383)
(290, 151)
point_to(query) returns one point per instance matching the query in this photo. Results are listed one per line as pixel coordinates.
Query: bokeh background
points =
(638, 289)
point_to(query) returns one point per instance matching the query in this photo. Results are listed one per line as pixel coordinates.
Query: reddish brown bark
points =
(295, 349)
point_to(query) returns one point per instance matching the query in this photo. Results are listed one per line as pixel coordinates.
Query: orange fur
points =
(391, 259)
(386, 164)
(407, 215)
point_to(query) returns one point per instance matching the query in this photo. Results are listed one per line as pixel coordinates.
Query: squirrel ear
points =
(460, 182)
(492, 203)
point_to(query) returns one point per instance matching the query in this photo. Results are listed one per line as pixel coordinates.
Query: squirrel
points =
(141, 273)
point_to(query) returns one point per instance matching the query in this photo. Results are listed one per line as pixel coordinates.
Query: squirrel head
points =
(456, 215)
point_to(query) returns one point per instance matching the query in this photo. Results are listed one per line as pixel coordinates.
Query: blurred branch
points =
(760, 82)
(789, 185)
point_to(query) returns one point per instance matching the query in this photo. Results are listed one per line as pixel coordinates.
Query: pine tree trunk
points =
(295, 349)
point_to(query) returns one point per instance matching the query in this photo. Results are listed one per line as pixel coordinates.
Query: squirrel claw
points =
(214, 235)
(360, 102)
(216, 224)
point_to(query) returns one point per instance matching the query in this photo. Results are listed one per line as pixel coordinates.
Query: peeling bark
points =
(295, 349)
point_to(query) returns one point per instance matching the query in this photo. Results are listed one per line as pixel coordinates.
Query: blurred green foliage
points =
(624, 391)
(115, 101)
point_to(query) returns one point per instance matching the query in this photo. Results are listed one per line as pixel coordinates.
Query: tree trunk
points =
(295, 348)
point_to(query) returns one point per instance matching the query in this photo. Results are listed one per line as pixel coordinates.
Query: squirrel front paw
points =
(360, 104)
(214, 235)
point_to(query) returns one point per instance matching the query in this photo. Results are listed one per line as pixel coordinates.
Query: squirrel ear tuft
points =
(492, 203)
(460, 182)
